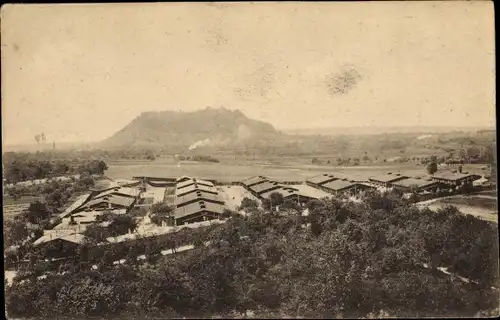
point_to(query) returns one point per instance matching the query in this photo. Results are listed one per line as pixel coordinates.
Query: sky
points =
(83, 72)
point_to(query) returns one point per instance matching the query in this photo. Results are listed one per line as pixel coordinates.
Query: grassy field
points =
(8, 200)
(484, 207)
(235, 171)
(473, 201)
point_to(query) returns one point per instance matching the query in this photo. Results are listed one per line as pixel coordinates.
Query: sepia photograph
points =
(246, 160)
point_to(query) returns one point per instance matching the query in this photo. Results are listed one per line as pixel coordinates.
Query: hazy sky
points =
(83, 72)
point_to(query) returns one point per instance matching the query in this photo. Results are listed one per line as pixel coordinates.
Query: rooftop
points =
(389, 177)
(121, 201)
(192, 181)
(253, 180)
(284, 192)
(197, 207)
(414, 182)
(201, 195)
(448, 175)
(264, 187)
(338, 185)
(322, 178)
(74, 238)
(112, 199)
(75, 205)
(131, 192)
(194, 188)
(311, 192)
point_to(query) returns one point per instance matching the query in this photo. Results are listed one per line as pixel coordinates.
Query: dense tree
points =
(37, 211)
(121, 224)
(276, 199)
(15, 232)
(161, 208)
(22, 167)
(432, 168)
(248, 203)
(355, 260)
(96, 233)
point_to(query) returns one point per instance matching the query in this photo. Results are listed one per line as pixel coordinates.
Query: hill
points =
(192, 130)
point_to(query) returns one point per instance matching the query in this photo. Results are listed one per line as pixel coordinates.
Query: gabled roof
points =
(130, 192)
(192, 181)
(339, 185)
(183, 178)
(284, 192)
(111, 199)
(198, 207)
(322, 178)
(81, 200)
(454, 176)
(194, 188)
(201, 195)
(409, 182)
(387, 178)
(311, 192)
(74, 238)
(121, 201)
(264, 187)
(254, 180)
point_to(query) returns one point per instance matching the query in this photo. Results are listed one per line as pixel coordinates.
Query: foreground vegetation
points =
(344, 259)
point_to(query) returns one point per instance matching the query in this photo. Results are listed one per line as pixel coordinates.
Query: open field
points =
(489, 193)
(8, 200)
(484, 207)
(9, 211)
(237, 172)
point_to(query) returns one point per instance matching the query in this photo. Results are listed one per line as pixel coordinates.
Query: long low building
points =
(336, 183)
(192, 181)
(291, 194)
(417, 185)
(262, 188)
(265, 187)
(112, 202)
(197, 212)
(155, 181)
(195, 188)
(115, 198)
(386, 180)
(455, 179)
(252, 181)
(344, 186)
(118, 191)
(320, 179)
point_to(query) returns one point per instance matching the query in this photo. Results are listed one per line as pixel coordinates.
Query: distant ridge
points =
(379, 130)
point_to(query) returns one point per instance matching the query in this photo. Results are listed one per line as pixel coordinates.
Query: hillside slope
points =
(209, 127)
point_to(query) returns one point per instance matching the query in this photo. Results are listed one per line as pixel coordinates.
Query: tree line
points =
(23, 169)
